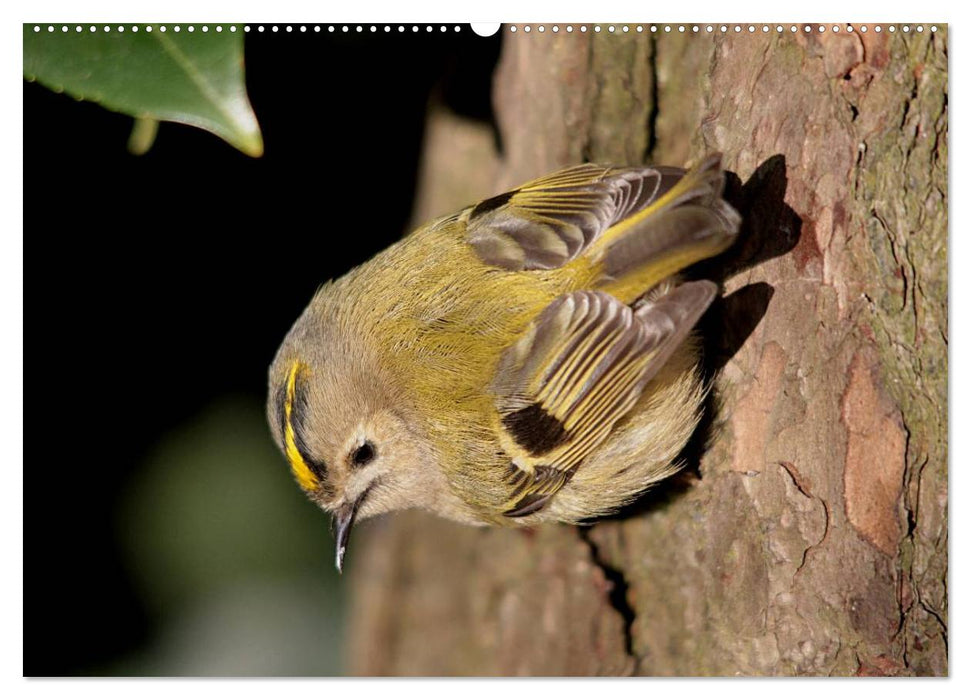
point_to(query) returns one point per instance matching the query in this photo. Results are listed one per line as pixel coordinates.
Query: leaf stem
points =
(142, 135)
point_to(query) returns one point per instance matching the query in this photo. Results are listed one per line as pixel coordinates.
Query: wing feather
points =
(550, 221)
(571, 207)
(578, 369)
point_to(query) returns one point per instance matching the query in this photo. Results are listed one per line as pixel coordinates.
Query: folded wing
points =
(578, 369)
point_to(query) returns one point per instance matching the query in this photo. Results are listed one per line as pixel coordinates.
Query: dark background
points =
(161, 286)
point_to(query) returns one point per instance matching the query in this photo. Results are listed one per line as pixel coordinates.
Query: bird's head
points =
(344, 428)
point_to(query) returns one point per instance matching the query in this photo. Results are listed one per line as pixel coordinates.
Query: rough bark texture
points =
(808, 534)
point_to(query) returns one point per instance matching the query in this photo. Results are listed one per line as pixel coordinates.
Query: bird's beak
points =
(344, 517)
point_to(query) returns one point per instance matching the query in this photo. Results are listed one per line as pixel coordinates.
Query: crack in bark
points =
(805, 552)
(933, 613)
(907, 104)
(800, 485)
(912, 499)
(860, 155)
(586, 141)
(652, 114)
(911, 508)
(896, 258)
(617, 596)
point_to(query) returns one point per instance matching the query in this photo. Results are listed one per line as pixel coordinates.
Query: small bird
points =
(527, 359)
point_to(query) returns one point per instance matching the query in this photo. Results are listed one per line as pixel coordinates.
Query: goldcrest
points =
(527, 359)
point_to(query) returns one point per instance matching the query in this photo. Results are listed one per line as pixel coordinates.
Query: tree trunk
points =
(808, 534)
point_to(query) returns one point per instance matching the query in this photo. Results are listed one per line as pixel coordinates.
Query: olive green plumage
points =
(526, 359)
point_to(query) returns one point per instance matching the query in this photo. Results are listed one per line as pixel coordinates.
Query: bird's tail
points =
(686, 221)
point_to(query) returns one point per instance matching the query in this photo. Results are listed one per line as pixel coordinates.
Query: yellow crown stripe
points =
(305, 477)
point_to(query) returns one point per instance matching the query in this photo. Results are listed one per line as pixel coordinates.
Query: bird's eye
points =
(363, 454)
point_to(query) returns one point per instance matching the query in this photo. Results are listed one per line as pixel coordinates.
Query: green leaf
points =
(192, 78)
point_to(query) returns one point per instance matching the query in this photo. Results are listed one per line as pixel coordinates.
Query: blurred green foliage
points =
(233, 561)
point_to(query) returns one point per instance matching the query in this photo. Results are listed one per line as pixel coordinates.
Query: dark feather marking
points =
(491, 204)
(298, 413)
(535, 430)
(280, 402)
(528, 505)
(512, 471)
(544, 483)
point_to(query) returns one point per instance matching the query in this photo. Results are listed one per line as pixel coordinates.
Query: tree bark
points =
(808, 534)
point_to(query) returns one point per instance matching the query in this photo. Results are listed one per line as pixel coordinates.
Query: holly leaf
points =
(192, 78)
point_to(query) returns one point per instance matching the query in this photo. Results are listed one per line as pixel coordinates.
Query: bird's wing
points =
(577, 370)
(548, 222)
